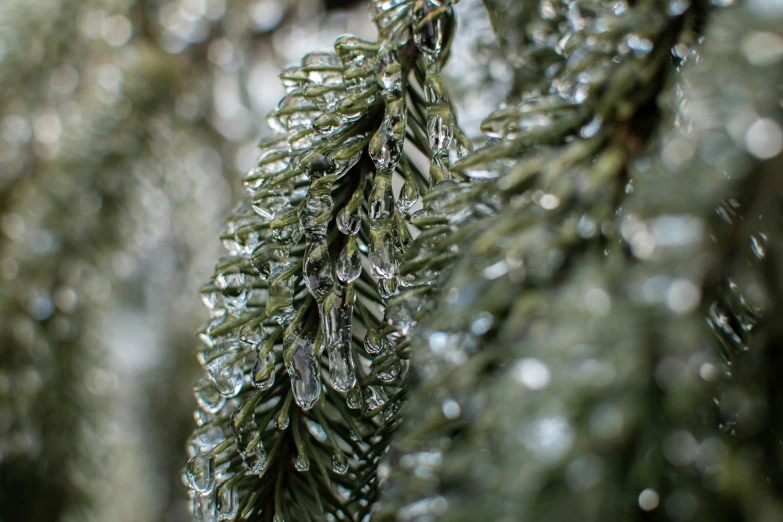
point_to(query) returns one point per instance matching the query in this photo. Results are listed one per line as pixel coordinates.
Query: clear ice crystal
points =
(249, 443)
(302, 462)
(315, 212)
(339, 463)
(208, 397)
(200, 474)
(227, 503)
(303, 368)
(226, 373)
(263, 375)
(349, 223)
(318, 268)
(336, 318)
(349, 262)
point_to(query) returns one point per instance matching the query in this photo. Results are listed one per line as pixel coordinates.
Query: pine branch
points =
(322, 236)
(567, 371)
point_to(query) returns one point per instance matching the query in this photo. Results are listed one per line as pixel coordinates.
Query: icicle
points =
(349, 262)
(208, 397)
(409, 193)
(429, 37)
(336, 317)
(203, 508)
(302, 462)
(303, 368)
(318, 269)
(249, 442)
(227, 503)
(339, 463)
(316, 210)
(226, 372)
(263, 375)
(201, 474)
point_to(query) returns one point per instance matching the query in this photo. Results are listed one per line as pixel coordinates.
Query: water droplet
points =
(336, 317)
(208, 397)
(339, 463)
(318, 268)
(303, 368)
(349, 223)
(227, 503)
(201, 473)
(226, 373)
(374, 397)
(409, 195)
(282, 422)
(264, 371)
(249, 442)
(353, 399)
(302, 462)
(429, 38)
(349, 262)
(373, 343)
(315, 212)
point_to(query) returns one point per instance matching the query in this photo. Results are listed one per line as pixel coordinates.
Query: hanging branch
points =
(314, 261)
(567, 364)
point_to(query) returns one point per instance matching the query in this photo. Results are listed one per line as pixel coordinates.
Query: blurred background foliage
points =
(125, 127)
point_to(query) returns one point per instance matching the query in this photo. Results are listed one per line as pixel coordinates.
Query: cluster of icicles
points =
(321, 207)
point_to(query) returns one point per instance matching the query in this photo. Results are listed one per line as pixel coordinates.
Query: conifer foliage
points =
(317, 253)
(540, 301)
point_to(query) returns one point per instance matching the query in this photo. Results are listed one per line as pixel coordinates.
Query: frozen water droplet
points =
(226, 373)
(303, 368)
(227, 503)
(373, 342)
(429, 38)
(302, 462)
(249, 443)
(440, 133)
(354, 436)
(282, 422)
(279, 305)
(315, 212)
(349, 223)
(374, 397)
(382, 258)
(386, 144)
(339, 463)
(203, 508)
(353, 399)
(387, 287)
(336, 316)
(201, 473)
(381, 203)
(390, 411)
(390, 368)
(264, 371)
(758, 244)
(389, 71)
(318, 268)
(208, 397)
(409, 195)
(349, 262)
